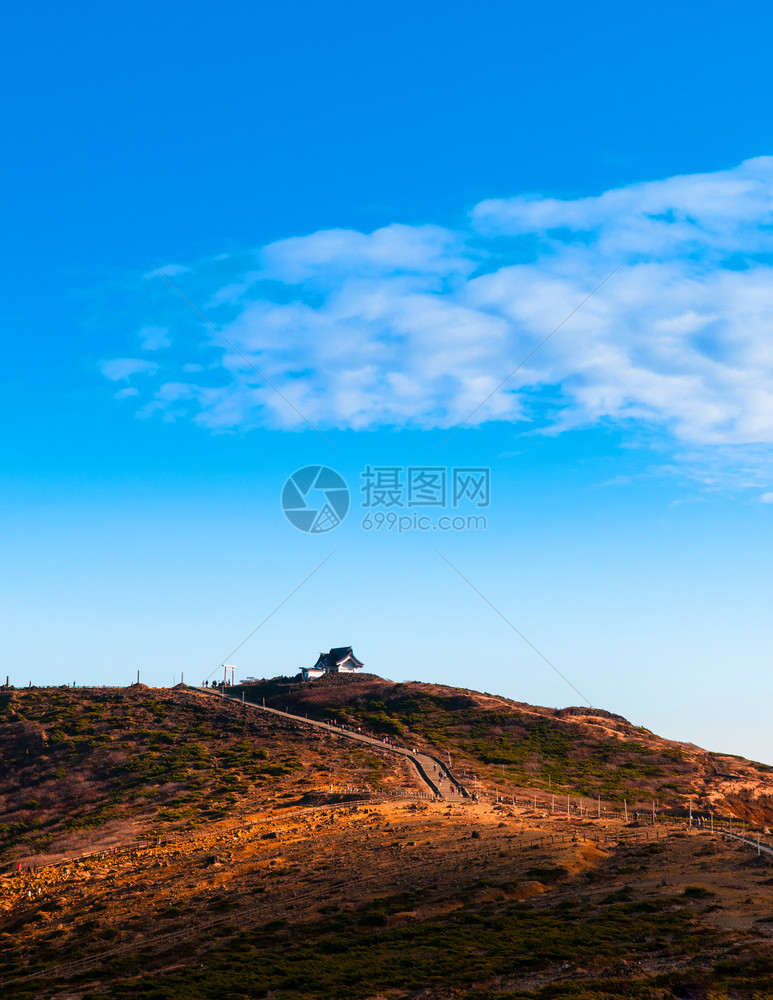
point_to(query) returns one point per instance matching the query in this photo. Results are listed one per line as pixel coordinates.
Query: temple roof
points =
(337, 655)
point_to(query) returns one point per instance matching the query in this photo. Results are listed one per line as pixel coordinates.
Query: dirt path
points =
(434, 773)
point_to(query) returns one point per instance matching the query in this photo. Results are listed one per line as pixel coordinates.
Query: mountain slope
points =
(510, 745)
(279, 868)
(95, 767)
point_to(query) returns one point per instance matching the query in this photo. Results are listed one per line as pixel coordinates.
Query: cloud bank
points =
(413, 326)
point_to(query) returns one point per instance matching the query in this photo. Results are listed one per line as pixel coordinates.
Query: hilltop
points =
(238, 853)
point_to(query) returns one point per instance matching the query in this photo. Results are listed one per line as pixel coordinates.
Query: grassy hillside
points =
(589, 752)
(256, 895)
(102, 765)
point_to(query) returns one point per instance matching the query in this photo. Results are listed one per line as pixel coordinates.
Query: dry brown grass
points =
(265, 859)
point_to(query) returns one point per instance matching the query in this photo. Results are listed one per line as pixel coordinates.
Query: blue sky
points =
(386, 209)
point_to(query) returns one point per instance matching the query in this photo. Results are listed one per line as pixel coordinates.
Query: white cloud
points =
(722, 212)
(153, 338)
(396, 249)
(416, 325)
(123, 368)
(766, 498)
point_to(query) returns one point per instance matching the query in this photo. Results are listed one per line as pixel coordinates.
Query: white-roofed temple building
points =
(340, 660)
